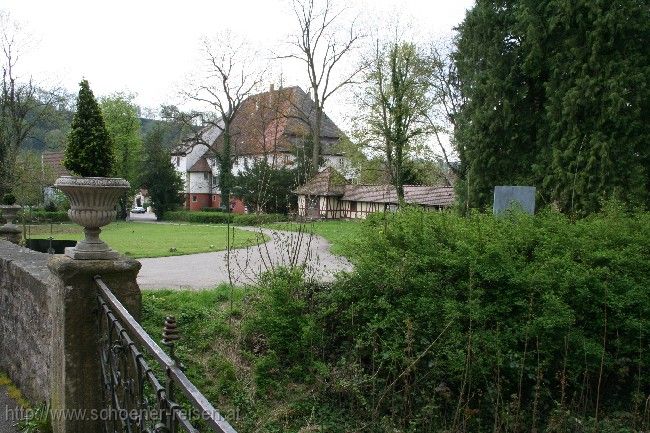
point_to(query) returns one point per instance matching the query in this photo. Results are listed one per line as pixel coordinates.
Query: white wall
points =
(341, 164)
(199, 184)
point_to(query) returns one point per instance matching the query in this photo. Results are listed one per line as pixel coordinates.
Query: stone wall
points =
(26, 319)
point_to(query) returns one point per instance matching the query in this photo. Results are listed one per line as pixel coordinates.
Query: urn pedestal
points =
(92, 206)
(10, 231)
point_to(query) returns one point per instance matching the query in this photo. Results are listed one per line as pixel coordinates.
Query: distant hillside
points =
(51, 133)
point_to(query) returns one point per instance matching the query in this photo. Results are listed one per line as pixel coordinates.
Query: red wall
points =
(211, 200)
(198, 201)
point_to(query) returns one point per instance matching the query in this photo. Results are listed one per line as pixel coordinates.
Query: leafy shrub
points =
(50, 206)
(451, 321)
(46, 216)
(8, 199)
(447, 324)
(283, 328)
(223, 218)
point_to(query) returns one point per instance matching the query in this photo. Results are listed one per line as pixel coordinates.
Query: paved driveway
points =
(243, 266)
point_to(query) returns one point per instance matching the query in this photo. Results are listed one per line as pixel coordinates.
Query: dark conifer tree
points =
(89, 151)
(558, 96)
(158, 175)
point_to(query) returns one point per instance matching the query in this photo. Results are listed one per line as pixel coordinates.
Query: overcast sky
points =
(149, 47)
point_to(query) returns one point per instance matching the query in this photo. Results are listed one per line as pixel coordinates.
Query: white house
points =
(273, 125)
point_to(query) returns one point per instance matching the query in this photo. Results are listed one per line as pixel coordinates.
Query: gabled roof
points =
(200, 166)
(328, 182)
(208, 135)
(277, 121)
(54, 160)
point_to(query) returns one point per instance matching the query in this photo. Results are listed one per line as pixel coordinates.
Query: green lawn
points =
(339, 233)
(139, 240)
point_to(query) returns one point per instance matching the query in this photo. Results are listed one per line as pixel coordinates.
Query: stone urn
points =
(92, 206)
(10, 231)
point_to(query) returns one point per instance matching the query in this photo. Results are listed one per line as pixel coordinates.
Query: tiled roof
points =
(439, 196)
(277, 121)
(200, 166)
(54, 160)
(328, 182)
(208, 135)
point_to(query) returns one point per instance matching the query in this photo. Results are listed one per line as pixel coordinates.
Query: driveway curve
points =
(243, 266)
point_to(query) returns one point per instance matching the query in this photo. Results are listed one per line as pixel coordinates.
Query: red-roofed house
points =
(272, 125)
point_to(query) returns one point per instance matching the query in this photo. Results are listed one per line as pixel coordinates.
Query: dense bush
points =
(279, 330)
(267, 188)
(8, 199)
(223, 218)
(470, 324)
(46, 216)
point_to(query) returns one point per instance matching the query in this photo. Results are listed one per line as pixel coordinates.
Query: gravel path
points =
(207, 270)
(8, 412)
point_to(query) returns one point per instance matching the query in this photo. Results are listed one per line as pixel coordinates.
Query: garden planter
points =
(10, 231)
(92, 206)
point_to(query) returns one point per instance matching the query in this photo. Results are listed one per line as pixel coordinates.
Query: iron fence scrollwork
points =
(136, 400)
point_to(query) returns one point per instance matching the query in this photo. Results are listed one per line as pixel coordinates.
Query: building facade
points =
(273, 126)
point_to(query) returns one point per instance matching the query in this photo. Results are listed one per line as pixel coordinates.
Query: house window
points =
(205, 176)
(353, 206)
(214, 198)
(215, 181)
(178, 161)
(194, 198)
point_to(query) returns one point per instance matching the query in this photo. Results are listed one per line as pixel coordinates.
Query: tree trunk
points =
(225, 168)
(123, 208)
(399, 172)
(316, 145)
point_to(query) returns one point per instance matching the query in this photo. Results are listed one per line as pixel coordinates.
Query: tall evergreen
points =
(598, 107)
(557, 98)
(158, 174)
(89, 151)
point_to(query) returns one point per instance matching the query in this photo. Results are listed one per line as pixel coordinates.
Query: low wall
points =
(26, 319)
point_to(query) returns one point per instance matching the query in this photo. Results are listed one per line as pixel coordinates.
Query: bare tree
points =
(321, 47)
(23, 104)
(231, 75)
(446, 99)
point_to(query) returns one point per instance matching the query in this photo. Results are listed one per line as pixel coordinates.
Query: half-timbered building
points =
(328, 195)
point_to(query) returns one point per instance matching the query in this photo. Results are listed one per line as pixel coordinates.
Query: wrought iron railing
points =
(136, 401)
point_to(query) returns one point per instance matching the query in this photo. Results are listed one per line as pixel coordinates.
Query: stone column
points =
(76, 371)
(10, 231)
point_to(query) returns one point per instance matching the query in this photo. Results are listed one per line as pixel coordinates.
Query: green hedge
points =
(224, 218)
(45, 216)
(460, 324)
